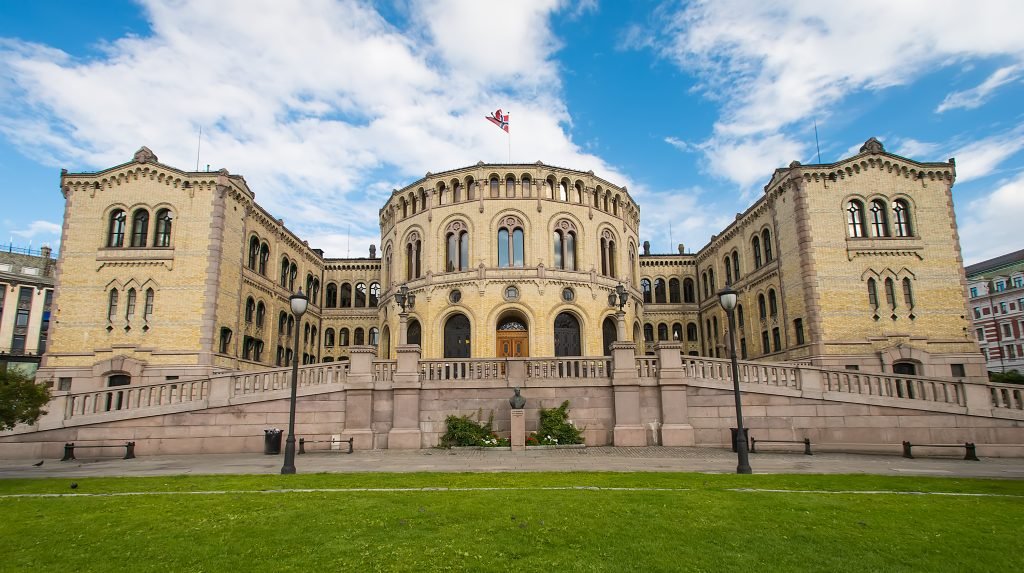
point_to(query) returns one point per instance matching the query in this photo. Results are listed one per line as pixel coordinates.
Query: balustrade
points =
(569, 367)
(1007, 396)
(469, 369)
(894, 386)
(121, 398)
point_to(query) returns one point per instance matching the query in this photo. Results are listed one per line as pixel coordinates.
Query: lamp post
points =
(619, 299)
(299, 303)
(405, 301)
(727, 298)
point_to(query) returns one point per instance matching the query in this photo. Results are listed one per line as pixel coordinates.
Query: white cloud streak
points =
(989, 225)
(978, 95)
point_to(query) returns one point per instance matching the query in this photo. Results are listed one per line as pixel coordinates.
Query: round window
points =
(511, 293)
(568, 295)
(455, 296)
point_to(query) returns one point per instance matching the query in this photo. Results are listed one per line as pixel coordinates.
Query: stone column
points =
(676, 429)
(518, 429)
(978, 399)
(620, 326)
(359, 397)
(405, 416)
(626, 384)
(403, 329)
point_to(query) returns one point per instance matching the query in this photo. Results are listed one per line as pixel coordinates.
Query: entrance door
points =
(513, 339)
(567, 335)
(456, 337)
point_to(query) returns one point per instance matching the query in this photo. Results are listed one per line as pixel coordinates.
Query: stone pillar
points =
(405, 416)
(626, 384)
(978, 399)
(359, 397)
(403, 329)
(518, 435)
(620, 326)
(676, 429)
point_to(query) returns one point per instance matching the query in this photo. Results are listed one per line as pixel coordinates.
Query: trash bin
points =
(746, 432)
(272, 441)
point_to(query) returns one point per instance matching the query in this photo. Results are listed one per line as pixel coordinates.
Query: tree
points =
(21, 399)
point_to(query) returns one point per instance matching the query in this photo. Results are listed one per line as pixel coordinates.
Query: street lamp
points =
(618, 298)
(727, 298)
(405, 301)
(299, 303)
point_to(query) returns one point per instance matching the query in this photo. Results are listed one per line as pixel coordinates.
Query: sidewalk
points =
(647, 459)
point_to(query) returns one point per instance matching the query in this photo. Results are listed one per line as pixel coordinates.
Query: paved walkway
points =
(650, 459)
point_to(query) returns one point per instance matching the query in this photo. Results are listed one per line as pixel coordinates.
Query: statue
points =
(517, 401)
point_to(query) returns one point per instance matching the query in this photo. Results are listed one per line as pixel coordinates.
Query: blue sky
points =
(325, 106)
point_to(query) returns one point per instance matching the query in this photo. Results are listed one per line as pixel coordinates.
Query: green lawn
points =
(700, 523)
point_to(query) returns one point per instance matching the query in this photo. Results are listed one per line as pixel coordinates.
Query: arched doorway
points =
(116, 400)
(456, 337)
(609, 332)
(512, 337)
(413, 332)
(385, 343)
(904, 368)
(567, 335)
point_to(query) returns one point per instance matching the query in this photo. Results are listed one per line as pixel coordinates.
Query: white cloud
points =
(982, 157)
(311, 119)
(990, 225)
(39, 229)
(978, 95)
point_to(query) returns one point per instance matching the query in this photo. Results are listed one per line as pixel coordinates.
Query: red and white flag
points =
(499, 119)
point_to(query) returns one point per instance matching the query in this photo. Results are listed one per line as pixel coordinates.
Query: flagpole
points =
(509, 146)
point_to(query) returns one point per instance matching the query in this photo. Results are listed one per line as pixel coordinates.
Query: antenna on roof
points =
(816, 140)
(199, 146)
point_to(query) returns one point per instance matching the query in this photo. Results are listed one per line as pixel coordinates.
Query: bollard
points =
(972, 453)
(302, 445)
(69, 452)
(129, 451)
(753, 445)
(807, 447)
(906, 450)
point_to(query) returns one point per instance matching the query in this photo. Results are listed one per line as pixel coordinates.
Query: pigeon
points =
(74, 485)
(39, 464)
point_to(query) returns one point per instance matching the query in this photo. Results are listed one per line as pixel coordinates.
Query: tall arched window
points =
(112, 305)
(282, 322)
(890, 293)
(140, 227)
(374, 339)
(873, 293)
(346, 295)
(254, 252)
(677, 331)
(163, 228)
(662, 331)
(413, 256)
(456, 337)
(567, 335)
(495, 188)
(855, 218)
(609, 332)
(331, 296)
(342, 337)
(329, 337)
(735, 265)
(564, 243)
(755, 245)
(129, 310)
(527, 185)
(608, 253)
(901, 218)
(762, 311)
(632, 262)
(773, 303)
(766, 240)
(284, 272)
(691, 332)
(908, 295)
(360, 295)
(250, 309)
(261, 314)
(115, 235)
(293, 272)
(357, 337)
(645, 288)
(150, 299)
(659, 291)
(457, 251)
(673, 291)
(728, 271)
(879, 219)
(511, 243)
(374, 294)
(649, 332)
(510, 186)
(264, 257)
(414, 332)
(688, 294)
(563, 193)
(704, 281)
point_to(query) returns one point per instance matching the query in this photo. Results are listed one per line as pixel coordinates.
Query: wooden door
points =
(513, 344)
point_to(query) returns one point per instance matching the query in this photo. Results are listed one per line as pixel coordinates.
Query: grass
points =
(701, 524)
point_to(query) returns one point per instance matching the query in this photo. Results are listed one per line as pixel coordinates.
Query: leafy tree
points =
(21, 399)
(1012, 377)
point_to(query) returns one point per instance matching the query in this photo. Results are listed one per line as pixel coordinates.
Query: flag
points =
(499, 119)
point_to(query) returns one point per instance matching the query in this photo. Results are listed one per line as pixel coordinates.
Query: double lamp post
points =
(727, 298)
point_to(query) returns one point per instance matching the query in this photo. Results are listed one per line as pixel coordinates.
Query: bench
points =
(806, 442)
(69, 450)
(304, 441)
(970, 452)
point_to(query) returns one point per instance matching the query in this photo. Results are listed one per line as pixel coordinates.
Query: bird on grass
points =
(74, 485)
(39, 464)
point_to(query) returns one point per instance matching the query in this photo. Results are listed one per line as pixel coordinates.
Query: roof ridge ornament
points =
(872, 145)
(145, 155)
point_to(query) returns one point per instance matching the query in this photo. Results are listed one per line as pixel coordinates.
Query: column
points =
(359, 397)
(626, 385)
(405, 416)
(676, 429)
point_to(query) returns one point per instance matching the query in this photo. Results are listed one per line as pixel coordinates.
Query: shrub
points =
(555, 428)
(465, 431)
(1011, 377)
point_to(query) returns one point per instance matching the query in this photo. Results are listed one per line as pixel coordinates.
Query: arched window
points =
(413, 254)
(728, 271)
(739, 315)
(225, 340)
(564, 242)
(901, 218)
(766, 240)
(331, 296)
(284, 272)
(736, 265)
(890, 293)
(374, 294)
(115, 236)
(140, 227)
(608, 254)
(563, 193)
(495, 188)
(456, 337)
(527, 185)
(510, 186)
(250, 309)
(908, 295)
(606, 197)
(567, 335)
(632, 262)
(457, 241)
(357, 337)
(645, 288)
(691, 332)
(755, 245)
(360, 295)
(442, 194)
(879, 219)
(414, 332)
(704, 281)
(129, 310)
(163, 228)
(855, 218)
(264, 257)
(872, 293)
(609, 332)
(456, 192)
(673, 291)
(662, 331)
(688, 294)
(773, 303)
(711, 279)
(282, 322)
(346, 295)
(677, 331)
(471, 186)
(254, 252)
(291, 324)
(293, 272)
(374, 338)
(659, 291)
(762, 311)
(342, 337)
(549, 185)
(649, 333)
(148, 312)
(511, 243)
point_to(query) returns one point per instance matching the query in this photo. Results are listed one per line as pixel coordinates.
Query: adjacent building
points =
(996, 302)
(166, 274)
(26, 295)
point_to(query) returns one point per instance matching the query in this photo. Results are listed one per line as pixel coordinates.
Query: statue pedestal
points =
(518, 429)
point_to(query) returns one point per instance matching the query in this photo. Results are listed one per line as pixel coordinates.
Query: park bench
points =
(970, 452)
(69, 450)
(304, 441)
(806, 442)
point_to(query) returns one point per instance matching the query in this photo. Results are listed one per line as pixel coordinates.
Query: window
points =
(957, 370)
(773, 303)
(254, 252)
(360, 295)
(1018, 282)
(163, 228)
(18, 344)
(331, 296)
(343, 337)
(261, 314)
(129, 311)
(798, 327)
(739, 315)
(148, 312)
(112, 305)
(873, 293)
(293, 272)
(457, 253)
(1006, 331)
(755, 245)
(346, 295)
(691, 332)
(977, 312)
(645, 288)
(735, 265)
(765, 346)
(264, 257)
(1002, 308)
(374, 294)
(974, 292)
(607, 253)
(511, 243)
(879, 219)
(140, 227)
(776, 339)
(908, 294)
(495, 191)
(659, 291)
(1000, 286)
(890, 293)
(688, 294)
(728, 271)
(282, 322)
(510, 186)
(357, 337)
(527, 186)
(1011, 351)
(743, 348)
(673, 291)
(649, 333)
(901, 218)
(280, 356)
(564, 243)
(225, 339)
(980, 334)
(374, 336)
(115, 236)
(677, 331)
(704, 281)
(284, 272)
(766, 240)
(413, 255)
(761, 308)
(855, 219)
(250, 309)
